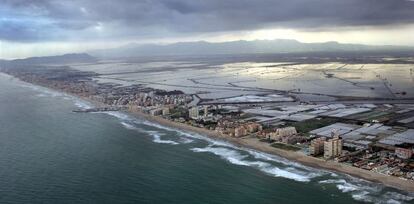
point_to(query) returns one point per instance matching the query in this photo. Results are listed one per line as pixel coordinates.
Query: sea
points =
(49, 154)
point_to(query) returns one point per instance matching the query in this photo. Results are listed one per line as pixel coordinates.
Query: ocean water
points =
(49, 154)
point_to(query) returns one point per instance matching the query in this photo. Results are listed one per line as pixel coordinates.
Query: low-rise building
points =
(156, 111)
(286, 132)
(403, 153)
(254, 127)
(282, 134)
(240, 131)
(292, 139)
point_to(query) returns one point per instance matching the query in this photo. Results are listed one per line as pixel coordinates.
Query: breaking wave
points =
(128, 126)
(119, 115)
(272, 165)
(361, 190)
(46, 92)
(187, 134)
(274, 158)
(186, 140)
(82, 104)
(230, 153)
(155, 134)
(157, 139)
(234, 157)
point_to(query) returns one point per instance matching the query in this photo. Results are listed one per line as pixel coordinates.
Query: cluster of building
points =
(385, 151)
(387, 162)
(140, 97)
(287, 135)
(330, 148)
(356, 136)
(152, 98)
(150, 101)
(237, 128)
(205, 115)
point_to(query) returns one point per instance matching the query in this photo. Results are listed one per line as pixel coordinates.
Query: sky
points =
(48, 27)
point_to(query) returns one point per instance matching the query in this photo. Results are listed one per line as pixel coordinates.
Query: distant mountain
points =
(237, 47)
(60, 59)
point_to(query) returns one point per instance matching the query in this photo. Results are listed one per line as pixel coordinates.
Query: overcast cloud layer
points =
(50, 20)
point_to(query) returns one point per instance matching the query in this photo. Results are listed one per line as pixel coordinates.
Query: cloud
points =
(45, 20)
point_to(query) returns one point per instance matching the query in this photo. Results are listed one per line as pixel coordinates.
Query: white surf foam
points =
(235, 157)
(186, 140)
(360, 190)
(398, 196)
(186, 134)
(342, 185)
(46, 92)
(286, 174)
(363, 196)
(310, 172)
(119, 115)
(157, 139)
(277, 159)
(394, 197)
(352, 184)
(43, 91)
(126, 121)
(230, 155)
(82, 104)
(128, 126)
(256, 154)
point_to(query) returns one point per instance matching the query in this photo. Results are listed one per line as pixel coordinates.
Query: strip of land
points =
(174, 109)
(293, 156)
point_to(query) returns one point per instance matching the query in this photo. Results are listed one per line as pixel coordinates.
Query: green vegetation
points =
(369, 116)
(285, 146)
(266, 140)
(306, 126)
(179, 112)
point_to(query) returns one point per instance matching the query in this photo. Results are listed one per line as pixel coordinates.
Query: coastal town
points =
(207, 101)
(376, 137)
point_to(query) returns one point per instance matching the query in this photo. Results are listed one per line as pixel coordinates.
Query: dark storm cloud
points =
(59, 19)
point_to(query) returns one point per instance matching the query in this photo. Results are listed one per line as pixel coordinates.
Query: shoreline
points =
(254, 144)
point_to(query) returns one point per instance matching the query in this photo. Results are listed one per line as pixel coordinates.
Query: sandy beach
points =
(255, 144)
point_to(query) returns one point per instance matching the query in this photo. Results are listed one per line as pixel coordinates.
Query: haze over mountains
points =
(59, 59)
(203, 48)
(237, 47)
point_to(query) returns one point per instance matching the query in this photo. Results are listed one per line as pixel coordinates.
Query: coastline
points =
(254, 144)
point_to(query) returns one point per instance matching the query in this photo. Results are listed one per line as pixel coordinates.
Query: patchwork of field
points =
(214, 81)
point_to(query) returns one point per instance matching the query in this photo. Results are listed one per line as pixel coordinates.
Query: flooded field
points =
(224, 80)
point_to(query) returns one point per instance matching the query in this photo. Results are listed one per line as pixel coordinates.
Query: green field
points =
(369, 116)
(306, 126)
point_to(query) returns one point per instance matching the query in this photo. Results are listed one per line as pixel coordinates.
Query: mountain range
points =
(59, 59)
(237, 47)
(203, 48)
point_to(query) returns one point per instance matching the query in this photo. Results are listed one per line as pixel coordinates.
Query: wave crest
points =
(234, 157)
